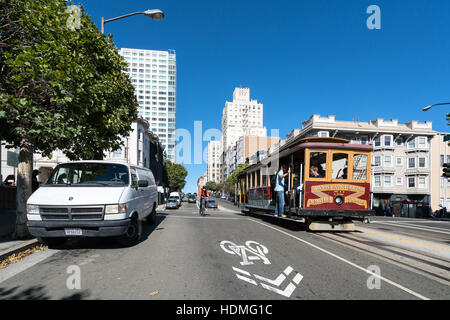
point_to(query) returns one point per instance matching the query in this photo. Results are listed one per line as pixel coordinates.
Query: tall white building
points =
(240, 117)
(153, 74)
(213, 161)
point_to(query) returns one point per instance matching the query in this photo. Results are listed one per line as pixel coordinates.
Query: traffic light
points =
(446, 170)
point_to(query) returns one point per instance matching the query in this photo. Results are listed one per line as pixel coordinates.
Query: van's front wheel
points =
(133, 234)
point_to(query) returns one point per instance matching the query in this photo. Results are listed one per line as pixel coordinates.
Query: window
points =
(387, 181)
(377, 180)
(376, 161)
(412, 143)
(411, 182)
(317, 164)
(399, 161)
(399, 142)
(411, 162)
(387, 141)
(377, 142)
(360, 166)
(399, 181)
(364, 139)
(321, 133)
(339, 166)
(421, 182)
(388, 161)
(442, 160)
(422, 162)
(422, 142)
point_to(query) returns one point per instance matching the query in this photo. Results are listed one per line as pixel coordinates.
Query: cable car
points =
(328, 186)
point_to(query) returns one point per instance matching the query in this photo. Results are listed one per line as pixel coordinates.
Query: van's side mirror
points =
(142, 183)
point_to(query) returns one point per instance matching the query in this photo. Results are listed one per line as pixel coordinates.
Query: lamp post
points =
(154, 14)
(437, 104)
(445, 155)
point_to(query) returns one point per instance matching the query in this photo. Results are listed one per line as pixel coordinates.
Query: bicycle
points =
(202, 209)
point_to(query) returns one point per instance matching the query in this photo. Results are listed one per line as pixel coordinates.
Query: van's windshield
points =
(89, 174)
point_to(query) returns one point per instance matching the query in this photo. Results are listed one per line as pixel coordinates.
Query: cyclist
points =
(203, 196)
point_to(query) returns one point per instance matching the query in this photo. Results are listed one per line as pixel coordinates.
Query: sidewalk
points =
(10, 247)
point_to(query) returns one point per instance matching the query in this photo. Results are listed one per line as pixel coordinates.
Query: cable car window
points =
(360, 167)
(339, 166)
(317, 164)
(258, 178)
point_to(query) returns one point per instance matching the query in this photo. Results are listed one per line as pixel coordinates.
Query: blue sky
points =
(297, 57)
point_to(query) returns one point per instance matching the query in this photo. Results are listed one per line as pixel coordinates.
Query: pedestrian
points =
(314, 172)
(34, 181)
(279, 190)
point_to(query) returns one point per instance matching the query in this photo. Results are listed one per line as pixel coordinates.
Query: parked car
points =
(172, 203)
(176, 195)
(174, 199)
(93, 199)
(211, 204)
(192, 200)
(223, 197)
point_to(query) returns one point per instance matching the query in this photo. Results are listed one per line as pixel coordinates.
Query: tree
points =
(174, 175)
(211, 185)
(233, 178)
(60, 88)
(219, 187)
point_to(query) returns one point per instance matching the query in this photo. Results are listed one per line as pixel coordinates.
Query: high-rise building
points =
(153, 74)
(213, 161)
(240, 117)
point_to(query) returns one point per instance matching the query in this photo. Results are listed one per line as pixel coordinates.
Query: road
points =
(226, 255)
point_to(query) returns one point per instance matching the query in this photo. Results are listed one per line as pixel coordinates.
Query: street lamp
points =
(437, 104)
(155, 14)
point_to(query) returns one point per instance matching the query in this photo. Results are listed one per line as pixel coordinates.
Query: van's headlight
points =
(32, 209)
(115, 208)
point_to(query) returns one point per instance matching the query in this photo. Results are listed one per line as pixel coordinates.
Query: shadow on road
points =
(37, 293)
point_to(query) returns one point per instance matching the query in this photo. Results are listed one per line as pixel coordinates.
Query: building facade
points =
(154, 76)
(401, 162)
(440, 186)
(213, 161)
(240, 117)
(141, 148)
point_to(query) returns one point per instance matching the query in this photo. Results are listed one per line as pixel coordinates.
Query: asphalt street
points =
(226, 255)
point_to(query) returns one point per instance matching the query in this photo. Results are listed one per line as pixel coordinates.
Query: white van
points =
(176, 195)
(93, 199)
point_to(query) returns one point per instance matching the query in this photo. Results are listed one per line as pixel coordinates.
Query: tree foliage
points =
(231, 181)
(211, 185)
(60, 88)
(175, 175)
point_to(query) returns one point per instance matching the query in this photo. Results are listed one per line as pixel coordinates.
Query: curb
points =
(18, 248)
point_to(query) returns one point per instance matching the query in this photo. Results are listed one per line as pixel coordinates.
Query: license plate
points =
(73, 232)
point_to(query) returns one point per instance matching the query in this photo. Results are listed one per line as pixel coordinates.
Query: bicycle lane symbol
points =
(254, 251)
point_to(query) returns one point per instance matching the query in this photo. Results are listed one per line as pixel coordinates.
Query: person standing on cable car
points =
(279, 189)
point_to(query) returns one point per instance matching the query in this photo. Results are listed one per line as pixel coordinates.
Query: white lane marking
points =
(205, 218)
(27, 262)
(348, 262)
(241, 277)
(423, 228)
(277, 282)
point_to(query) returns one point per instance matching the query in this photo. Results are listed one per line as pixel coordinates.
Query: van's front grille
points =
(72, 213)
